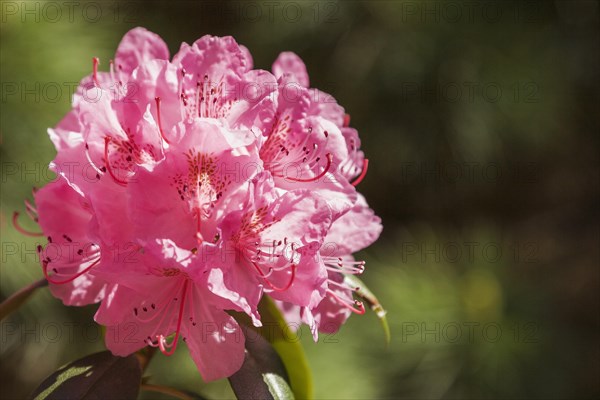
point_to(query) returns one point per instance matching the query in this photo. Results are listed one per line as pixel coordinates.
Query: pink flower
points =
(71, 253)
(303, 149)
(354, 231)
(322, 105)
(191, 187)
(164, 292)
(274, 241)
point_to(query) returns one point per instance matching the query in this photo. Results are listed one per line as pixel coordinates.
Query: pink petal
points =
(138, 46)
(216, 342)
(159, 79)
(329, 315)
(324, 105)
(217, 57)
(290, 63)
(64, 217)
(355, 230)
(236, 286)
(125, 331)
(161, 202)
(247, 57)
(255, 107)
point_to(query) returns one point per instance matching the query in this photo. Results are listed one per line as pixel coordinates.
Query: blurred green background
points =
(481, 123)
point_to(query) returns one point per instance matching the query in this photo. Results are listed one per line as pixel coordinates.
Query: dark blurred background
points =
(481, 123)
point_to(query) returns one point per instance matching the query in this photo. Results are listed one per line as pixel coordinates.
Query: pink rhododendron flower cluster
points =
(191, 187)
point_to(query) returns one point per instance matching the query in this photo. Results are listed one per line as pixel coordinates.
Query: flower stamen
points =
(89, 159)
(49, 278)
(95, 62)
(160, 129)
(355, 306)
(271, 285)
(363, 173)
(18, 227)
(169, 348)
(107, 140)
(316, 178)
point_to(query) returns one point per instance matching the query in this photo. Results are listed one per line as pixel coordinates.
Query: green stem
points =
(20, 297)
(145, 356)
(166, 390)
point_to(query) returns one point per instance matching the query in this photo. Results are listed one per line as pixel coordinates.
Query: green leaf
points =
(263, 375)
(17, 299)
(276, 331)
(368, 297)
(288, 347)
(98, 376)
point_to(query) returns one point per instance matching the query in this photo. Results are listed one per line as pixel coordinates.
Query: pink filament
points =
(360, 307)
(271, 285)
(160, 129)
(71, 279)
(162, 342)
(363, 173)
(322, 174)
(108, 167)
(95, 63)
(18, 227)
